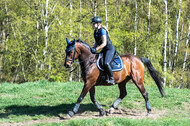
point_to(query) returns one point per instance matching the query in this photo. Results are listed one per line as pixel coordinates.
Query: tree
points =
(32, 35)
(185, 58)
(165, 42)
(135, 29)
(177, 38)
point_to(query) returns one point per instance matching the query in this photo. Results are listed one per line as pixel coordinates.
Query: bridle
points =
(73, 57)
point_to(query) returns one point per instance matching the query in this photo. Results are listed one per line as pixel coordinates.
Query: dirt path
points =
(120, 113)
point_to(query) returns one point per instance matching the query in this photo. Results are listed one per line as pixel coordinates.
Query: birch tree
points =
(94, 5)
(165, 42)
(37, 37)
(45, 15)
(135, 28)
(80, 5)
(3, 37)
(71, 9)
(181, 35)
(185, 58)
(149, 5)
(106, 13)
(177, 40)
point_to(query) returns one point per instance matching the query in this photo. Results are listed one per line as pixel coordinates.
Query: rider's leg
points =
(108, 56)
(108, 70)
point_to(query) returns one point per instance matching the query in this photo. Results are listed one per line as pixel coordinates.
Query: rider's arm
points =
(104, 43)
(95, 45)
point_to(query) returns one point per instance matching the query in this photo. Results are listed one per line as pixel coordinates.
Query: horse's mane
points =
(84, 43)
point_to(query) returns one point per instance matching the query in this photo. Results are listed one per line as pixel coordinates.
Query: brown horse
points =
(133, 69)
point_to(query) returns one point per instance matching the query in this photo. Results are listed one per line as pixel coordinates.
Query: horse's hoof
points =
(110, 111)
(70, 114)
(149, 114)
(102, 113)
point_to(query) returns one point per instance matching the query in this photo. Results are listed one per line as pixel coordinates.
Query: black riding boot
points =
(110, 74)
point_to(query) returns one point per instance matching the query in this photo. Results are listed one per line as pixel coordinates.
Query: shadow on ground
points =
(44, 110)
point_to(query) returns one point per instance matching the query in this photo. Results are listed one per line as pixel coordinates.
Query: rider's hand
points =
(93, 50)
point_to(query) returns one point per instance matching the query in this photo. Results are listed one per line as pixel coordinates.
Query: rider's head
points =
(96, 21)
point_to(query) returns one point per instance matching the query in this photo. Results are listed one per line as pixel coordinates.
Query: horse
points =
(133, 69)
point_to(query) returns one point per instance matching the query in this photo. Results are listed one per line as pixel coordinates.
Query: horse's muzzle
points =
(68, 64)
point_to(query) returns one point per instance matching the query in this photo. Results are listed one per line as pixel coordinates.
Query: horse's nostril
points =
(66, 65)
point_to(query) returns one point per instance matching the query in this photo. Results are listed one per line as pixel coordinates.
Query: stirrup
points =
(112, 81)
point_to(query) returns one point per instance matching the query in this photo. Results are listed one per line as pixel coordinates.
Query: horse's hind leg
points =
(139, 83)
(123, 93)
(92, 97)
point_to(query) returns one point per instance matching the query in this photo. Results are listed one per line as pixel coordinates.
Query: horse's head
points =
(70, 53)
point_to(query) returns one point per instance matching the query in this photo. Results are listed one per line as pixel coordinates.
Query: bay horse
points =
(133, 68)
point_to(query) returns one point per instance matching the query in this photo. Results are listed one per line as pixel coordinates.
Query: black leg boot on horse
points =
(108, 71)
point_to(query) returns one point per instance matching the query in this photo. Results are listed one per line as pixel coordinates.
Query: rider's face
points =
(95, 25)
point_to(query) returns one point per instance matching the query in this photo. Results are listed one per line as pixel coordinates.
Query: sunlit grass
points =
(43, 99)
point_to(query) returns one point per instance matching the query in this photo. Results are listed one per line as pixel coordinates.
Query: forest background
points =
(33, 33)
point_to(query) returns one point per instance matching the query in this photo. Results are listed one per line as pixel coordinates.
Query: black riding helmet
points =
(96, 20)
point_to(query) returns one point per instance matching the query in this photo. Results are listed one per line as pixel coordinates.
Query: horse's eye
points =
(69, 53)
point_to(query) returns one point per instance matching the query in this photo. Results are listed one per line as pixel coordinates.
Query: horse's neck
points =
(85, 59)
(85, 54)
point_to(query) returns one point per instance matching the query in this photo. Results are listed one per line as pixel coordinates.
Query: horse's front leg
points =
(92, 97)
(85, 90)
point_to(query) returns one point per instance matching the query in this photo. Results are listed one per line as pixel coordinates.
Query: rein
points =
(73, 61)
(82, 62)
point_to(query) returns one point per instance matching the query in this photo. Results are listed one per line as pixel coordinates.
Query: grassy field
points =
(42, 103)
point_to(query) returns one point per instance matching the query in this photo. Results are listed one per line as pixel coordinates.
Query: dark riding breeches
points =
(108, 54)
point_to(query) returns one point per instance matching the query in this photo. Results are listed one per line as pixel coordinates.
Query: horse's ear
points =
(67, 41)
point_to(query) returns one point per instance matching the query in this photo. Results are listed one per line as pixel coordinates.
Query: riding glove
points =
(93, 50)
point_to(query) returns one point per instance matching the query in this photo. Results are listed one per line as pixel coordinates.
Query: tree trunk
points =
(149, 5)
(169, 55)
(80, 5)
(94, 4)
(165, 42)
(37, 38)
(71, 8)
(135, 28)
(106, 13)
(185, 59)
(46, 27)
(46, 33)
(79, 73)
(177, 31)
(3, 38)
(181, 35)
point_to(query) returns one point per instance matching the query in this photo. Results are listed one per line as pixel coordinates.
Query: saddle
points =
(116, 63)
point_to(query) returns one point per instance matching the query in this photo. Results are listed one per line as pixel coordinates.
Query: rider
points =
(102, 41)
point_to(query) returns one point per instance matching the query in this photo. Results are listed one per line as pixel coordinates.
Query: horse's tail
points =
(154, 74)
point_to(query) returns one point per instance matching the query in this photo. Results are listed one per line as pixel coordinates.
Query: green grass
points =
(42, 100)
(122, 122)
